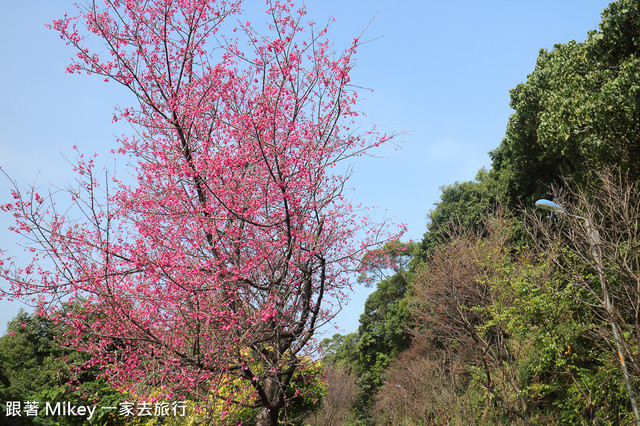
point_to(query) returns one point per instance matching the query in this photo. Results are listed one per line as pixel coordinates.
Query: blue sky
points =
(441, 74)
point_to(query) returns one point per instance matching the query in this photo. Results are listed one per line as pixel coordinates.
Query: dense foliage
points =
(510, 311)
(577, 112)
(38, 368)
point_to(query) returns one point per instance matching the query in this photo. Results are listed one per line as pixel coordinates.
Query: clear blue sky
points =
(441, 73)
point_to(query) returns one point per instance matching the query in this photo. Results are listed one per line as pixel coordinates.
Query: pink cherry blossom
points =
(219, 263)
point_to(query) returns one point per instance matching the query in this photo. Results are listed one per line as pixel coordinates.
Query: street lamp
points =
(594, 242)
(405, 403)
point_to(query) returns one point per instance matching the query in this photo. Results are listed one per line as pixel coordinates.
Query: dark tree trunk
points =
(272, 400)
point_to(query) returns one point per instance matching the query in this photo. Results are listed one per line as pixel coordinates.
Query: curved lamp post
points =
(405, 403)
(594, 241)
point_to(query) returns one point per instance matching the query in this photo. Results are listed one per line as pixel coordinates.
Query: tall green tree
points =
(38, 368)
(462, 204)
(383, 333)
(578, 111)
(31, 358)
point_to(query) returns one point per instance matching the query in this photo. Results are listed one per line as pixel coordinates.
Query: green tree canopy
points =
(463, 204)
(578, 111)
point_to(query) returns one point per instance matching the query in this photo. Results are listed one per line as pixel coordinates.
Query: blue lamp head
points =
(549, 206)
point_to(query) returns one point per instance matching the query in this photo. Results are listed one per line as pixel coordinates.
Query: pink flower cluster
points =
(217, 262)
